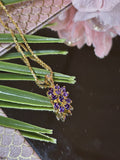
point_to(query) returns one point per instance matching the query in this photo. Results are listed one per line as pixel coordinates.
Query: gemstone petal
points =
(58, 92)
(57, 87)
(68, 100)
(54, 97)
(65, 94)
(56, 105)
(62, 109)
(63, 89)
(61, 98)
(67, 106)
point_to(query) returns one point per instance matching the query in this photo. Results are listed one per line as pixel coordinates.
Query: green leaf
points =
(21, 69)
(49, 25)
(12, 123)
(4, 104)
(39, 137)
(8, 2)
(23, 97)
(7, 38)
(20, 77)
(28, 54)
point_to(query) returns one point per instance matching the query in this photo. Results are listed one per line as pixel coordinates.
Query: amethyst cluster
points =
(61, 103)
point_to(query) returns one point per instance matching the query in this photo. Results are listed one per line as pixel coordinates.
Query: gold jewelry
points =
(58, 95)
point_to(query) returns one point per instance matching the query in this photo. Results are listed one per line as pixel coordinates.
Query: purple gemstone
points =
(56, 105)
(58, 92)
(68, 100)
(54, 97)
(65, 94)
(67, 106)
(50, 91)
(63, 89)
(57, 87)
(62, 109)
(61, 98)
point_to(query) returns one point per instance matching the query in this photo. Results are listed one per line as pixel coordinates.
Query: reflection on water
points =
(93, 132)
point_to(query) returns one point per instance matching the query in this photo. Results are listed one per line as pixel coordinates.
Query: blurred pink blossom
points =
(94, 22)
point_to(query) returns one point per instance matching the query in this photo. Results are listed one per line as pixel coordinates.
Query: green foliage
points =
(12, 123)
(15, 55)
(6, 104)
(23, 70)
(7, 38)
(40, 137)
(8, 2)
(19, 99)
(28, 130)
(23, 97)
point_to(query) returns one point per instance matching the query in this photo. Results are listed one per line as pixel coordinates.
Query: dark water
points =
(93, 132)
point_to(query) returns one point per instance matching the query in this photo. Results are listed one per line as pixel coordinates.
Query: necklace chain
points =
(48, 78)
(57, 95)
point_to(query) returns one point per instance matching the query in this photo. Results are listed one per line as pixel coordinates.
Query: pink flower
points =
(94, 22)
(106, 11)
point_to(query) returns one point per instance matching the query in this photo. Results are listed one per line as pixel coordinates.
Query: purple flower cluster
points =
(61, 103)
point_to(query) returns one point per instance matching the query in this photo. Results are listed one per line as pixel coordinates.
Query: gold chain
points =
(58, 95)
(49, 78)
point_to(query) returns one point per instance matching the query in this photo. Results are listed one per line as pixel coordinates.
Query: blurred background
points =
(93, 131)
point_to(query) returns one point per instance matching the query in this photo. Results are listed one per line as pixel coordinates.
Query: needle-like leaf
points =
(8, 2)
(16, 124)
(28, 54)
(21, 69)
(23, 97)
(39, 137)
(20, 77)
(7, 38)
(4, 104)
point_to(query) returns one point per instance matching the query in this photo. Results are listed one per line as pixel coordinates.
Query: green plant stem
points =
(15, 55)
(39, 137)
(12, 123)
(4, 104)
(8, 2)
(7, 38)
(14, 95)
(22, 69)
